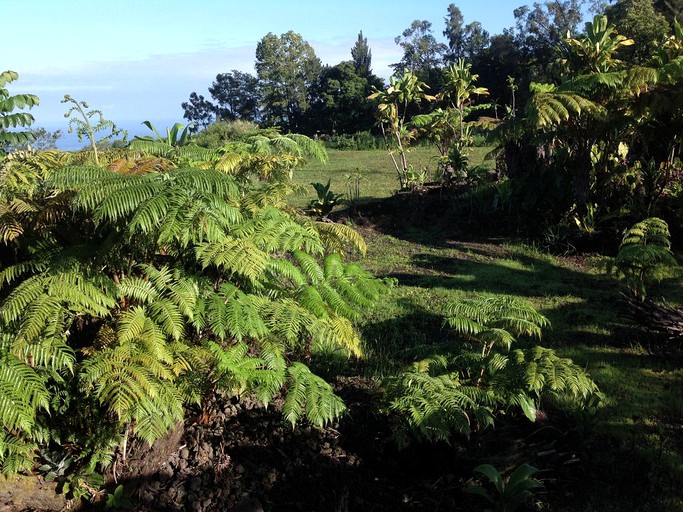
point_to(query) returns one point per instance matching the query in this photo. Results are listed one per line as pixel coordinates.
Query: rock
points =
(250, 505)
(195, 483)
(165, 472)
(29, 493)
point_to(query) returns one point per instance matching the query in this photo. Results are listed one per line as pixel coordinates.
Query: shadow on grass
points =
(581, 307)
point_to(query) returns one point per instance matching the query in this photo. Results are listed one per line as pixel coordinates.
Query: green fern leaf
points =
(310, 395)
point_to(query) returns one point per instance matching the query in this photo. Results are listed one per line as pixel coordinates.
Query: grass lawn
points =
(377, 175)
(635, 441)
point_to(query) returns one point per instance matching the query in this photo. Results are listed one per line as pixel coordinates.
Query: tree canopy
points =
(287, 67)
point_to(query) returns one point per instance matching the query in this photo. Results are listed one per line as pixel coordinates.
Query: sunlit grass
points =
(374, 170)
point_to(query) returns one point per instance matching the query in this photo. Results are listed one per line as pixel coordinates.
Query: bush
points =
(361, 141)
(484, 377)
(220, 133)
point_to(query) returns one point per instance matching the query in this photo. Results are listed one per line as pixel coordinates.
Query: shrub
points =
(361, 141)
(484, 377)
(125, 297)
(644, 255)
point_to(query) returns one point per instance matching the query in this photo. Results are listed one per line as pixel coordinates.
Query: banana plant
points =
(177, 135)
(11, 119)
(392, 107)
(326, 200)
(460, 88)
(594, 51)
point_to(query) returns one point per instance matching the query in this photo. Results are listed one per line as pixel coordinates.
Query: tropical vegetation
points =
(493, 281)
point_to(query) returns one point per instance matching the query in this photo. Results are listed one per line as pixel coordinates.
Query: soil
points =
(238, 456)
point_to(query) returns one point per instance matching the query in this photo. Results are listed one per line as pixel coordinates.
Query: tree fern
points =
(450, 394)
(434, 405)
(495, 320)
(644, 254)
(231, 313)
(134, 286)
(16, 453)
(134, 382)
(22, 394)
(241, 373)
(549, 107)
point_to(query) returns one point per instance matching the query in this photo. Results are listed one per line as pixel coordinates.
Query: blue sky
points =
(140, 59)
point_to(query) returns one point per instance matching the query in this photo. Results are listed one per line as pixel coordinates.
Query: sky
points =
(138, 60)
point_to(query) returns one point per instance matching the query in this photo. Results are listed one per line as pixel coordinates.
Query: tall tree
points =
(541, 27)
(422, 53)
(476, 40)
(454, 33)
(671, 9)
(339, 100)
(236, 96)
(362, 55)
(500, 60)
(638, 20)
(199, 110)
(464, 41)
(286, 67)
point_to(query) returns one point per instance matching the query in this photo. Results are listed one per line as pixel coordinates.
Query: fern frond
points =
(309, 395)
(312, 269)
(135, 381)
(287, 319)
(332, 333)
(169, 317)
(16, 453)
(434, 407)
(235, 255)
(546, 109)
(22, 394)
(475, 317)
(233, 314)
(339, 238)
(282, 268)
(152, 147)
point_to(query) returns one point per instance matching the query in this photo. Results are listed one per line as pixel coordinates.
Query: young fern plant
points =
(483, 378)
(644, 256)
(495, 321)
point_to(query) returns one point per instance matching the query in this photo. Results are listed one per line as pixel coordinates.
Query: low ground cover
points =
(638, 424)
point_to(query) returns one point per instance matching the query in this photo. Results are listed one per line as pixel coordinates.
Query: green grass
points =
(378, 178)
(643, 407)
(635, 441)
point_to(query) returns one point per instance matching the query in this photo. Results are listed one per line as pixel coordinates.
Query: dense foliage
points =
(467, 387)
(9, 118)
(133, 288)
(139, 281)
